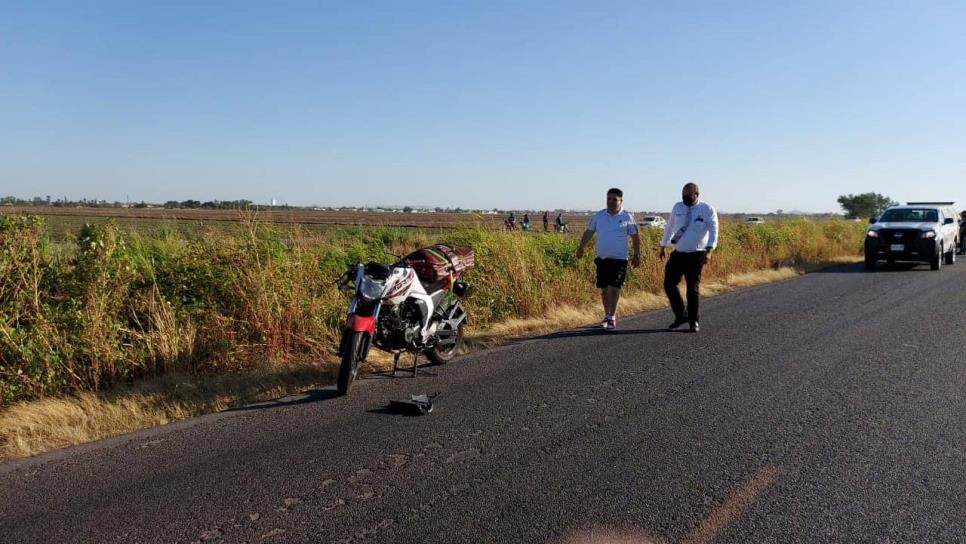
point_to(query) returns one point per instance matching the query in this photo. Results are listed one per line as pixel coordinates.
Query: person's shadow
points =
(600, 331)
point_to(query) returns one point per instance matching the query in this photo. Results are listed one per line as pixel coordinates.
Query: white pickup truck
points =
(917, 232)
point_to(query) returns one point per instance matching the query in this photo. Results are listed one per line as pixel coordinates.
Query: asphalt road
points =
(827, 408)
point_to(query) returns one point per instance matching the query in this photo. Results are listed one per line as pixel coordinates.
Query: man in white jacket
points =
(692, 228)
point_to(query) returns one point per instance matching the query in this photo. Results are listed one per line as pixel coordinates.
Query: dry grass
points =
(37, 426)
(42, 425)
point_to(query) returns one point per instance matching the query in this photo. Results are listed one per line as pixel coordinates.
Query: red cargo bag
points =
(437, 262)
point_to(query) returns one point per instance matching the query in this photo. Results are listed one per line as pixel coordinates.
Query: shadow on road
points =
(598, 331)
(402, 372)
(321, 395)
(310, 396)
(882, 267)
(387, 411)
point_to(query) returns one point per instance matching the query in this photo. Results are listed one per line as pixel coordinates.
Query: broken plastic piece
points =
(417, 405)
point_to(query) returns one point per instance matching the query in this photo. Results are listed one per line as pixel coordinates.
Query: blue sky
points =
(766, 105)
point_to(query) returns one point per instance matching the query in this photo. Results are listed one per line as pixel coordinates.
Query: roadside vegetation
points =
(113, 309)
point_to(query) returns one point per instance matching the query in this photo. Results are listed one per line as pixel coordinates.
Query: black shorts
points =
(610, 272)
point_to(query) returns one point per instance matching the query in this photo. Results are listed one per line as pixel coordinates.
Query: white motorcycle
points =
(412, 306)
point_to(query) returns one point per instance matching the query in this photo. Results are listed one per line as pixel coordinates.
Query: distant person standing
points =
(561, 225)
(692, 228)
(526, 221)
(612, 225)
(546, 221)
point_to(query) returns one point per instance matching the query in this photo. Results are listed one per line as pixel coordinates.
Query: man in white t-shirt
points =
(692, 228)
(612, 225)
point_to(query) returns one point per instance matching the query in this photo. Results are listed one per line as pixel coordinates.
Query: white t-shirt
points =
(612, 232)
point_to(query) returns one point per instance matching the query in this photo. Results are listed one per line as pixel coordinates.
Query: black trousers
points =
(688, 265)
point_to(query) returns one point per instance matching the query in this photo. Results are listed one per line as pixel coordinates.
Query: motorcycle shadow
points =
(402, 372)
(306, 397)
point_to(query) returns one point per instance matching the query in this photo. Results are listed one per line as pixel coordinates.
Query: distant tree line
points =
(212, 205)
(65, 203)
(241, 204)
(93, 203)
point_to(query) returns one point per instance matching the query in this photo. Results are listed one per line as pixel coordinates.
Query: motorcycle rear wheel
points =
(353, 348)
(441, 355)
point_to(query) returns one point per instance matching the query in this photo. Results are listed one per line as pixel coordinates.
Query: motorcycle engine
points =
(400, 327)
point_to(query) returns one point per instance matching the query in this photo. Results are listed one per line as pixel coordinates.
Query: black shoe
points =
(694, 327)
(678, 321)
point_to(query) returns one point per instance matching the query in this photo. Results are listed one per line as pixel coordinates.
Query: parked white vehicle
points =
(755, 220)
(653, 221)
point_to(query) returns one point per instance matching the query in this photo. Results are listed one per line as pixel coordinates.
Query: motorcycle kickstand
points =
(395, 361)
(415, 361)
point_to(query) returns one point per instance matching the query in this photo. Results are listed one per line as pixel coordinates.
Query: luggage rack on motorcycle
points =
(439, 262)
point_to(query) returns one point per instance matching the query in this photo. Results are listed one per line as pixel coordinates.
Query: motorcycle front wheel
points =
(443, 354)
(353, 350)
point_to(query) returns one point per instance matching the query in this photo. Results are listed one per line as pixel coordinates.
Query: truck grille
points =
(899, 236)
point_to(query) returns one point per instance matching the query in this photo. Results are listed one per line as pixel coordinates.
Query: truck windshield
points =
(910, 215)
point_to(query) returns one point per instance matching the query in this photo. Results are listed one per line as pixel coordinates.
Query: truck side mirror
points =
(872, 220)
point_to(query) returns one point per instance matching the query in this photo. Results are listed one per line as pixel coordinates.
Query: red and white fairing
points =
(402, 284)
(402, 281)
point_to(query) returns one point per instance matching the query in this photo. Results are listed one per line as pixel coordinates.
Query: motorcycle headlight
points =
(929, 234)
(872, 234)
(371, 289)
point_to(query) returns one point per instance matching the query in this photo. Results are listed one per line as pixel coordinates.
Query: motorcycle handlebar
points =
(348, 275)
